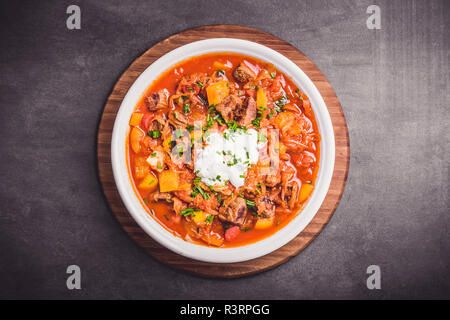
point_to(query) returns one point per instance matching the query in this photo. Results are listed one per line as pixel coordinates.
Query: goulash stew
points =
(223, 150)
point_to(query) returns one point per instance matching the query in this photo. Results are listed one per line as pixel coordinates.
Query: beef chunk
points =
(232, 108)
(157, 100)
(291, 194)
(265, 207)
(272, 179)
(228, 106)
(177, 119)
(155, 196)
(234, 210)
(243, 73)
(246, 113)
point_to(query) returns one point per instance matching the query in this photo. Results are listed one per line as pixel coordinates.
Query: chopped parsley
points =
(189, 212)
(262, 108)
(190, 127)
(178, 133)
(154, 134)
(197, 189)
(180, 150)
(186, 108)
(250, 203)
(257, 120)
(202, 98)
(209, 122)
(204, 194)
(232, 125)
(209, 219)
(280, 103)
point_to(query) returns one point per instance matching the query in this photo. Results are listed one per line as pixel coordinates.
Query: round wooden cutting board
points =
(235, 269)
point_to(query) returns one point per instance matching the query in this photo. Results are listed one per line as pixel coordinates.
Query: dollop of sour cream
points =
(227, 156)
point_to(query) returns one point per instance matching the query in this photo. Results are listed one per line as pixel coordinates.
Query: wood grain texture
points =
(235, 269)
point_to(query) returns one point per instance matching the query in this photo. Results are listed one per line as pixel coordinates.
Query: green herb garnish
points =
(186, 108)
(154, 134)
(250, 203)
(209, 219)
(189, 212)
(280, 103)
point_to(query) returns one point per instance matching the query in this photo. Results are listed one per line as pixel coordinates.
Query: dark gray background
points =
(393, 85)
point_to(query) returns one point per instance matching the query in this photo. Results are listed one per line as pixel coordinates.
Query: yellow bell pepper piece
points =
(136, 136)
(168, 181)
(149, 183)
(200, 217)
(166, 144)
(305, 191)
(136, 118)
(282, 148)
(217, 92)
(263, 223)
(261, 98)
(185, 186)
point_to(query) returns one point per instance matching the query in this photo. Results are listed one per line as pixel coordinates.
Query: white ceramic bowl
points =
(151, 226)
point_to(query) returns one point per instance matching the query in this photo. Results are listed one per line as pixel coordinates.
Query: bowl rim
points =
(121, 171)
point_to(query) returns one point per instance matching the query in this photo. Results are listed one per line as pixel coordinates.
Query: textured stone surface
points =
(394, 88)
